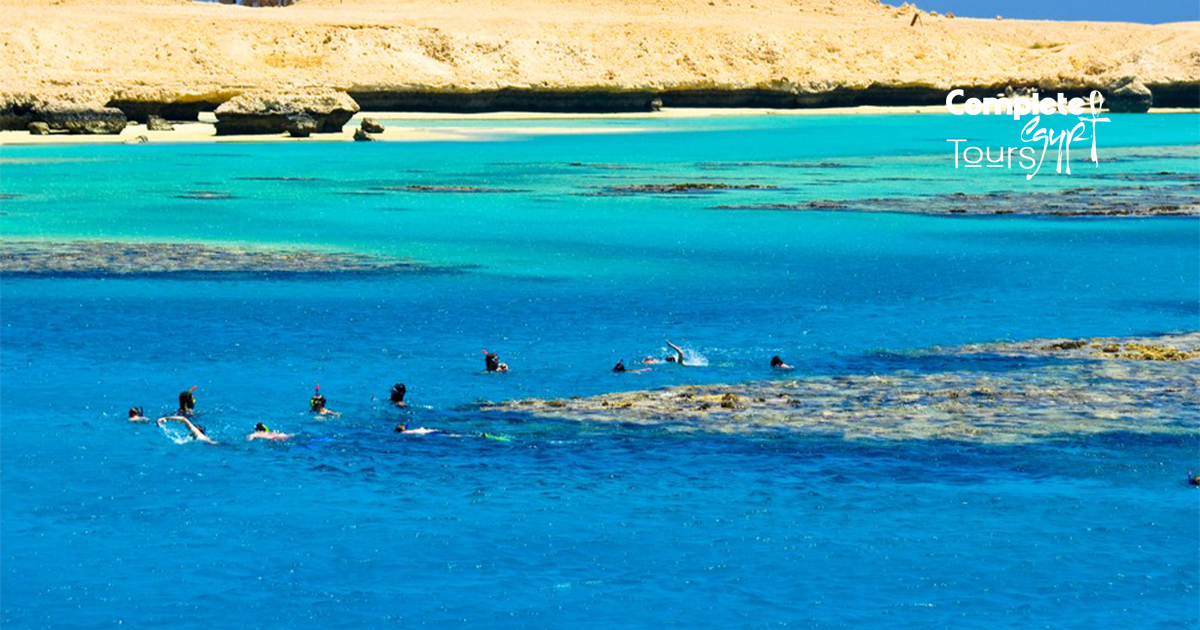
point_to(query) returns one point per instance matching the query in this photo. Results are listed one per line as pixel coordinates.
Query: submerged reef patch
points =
(422, 188)
(676, 188)
(206, 195)
(1111, 201)
(1065, 387)
(113, 258)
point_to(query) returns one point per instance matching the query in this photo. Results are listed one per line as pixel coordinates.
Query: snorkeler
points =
(317, 404)
(492, 362)
(397, 396)
(135, 415)
(671, 358)
(620, 366)
(197, 432)
(778, 363)
(187, 402)
(261, 432)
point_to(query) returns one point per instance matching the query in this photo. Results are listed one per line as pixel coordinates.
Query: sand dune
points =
(180, 49)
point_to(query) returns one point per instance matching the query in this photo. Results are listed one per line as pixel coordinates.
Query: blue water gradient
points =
(105, 523)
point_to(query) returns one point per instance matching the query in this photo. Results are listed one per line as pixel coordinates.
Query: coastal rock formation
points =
(1130, 96)
(156, 123)
(17, 110)
(300, 125)
(39, 129)
(141, 101)
(370, 125)
(361, 135)
(77, 118)
(260, 113)
(487, 55)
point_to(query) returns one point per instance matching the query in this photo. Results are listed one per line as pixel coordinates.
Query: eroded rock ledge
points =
(1046, 389)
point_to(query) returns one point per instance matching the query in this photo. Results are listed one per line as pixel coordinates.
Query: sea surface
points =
(543, 257)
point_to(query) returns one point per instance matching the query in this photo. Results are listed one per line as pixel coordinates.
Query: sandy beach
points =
(442, 128)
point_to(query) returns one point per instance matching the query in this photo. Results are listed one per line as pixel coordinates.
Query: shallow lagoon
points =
(592, 526)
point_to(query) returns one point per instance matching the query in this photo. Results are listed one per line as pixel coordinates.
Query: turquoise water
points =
(351, 525)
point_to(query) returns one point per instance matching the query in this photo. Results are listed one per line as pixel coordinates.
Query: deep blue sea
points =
(105, 523)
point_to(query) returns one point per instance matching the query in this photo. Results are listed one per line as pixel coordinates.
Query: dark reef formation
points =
(112, 258)
(1052, 388)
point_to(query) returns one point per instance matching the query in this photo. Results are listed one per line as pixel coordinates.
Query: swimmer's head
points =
(503, 367)
(672, 359)
(398, 392)
(187, 400)
(401, 428)
(620, 366)
(776, 361)
(317, 402)
(261, 428)
(135, 412)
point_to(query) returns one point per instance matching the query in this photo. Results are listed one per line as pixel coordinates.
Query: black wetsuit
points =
(398, 391)
(187, 403)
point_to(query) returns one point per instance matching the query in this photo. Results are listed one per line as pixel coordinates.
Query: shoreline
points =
(204, 131)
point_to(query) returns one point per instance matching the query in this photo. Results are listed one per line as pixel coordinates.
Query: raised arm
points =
(678, 352)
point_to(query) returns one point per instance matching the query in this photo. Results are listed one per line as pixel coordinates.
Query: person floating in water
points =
(397, 396)
(187, 402)
(317, 404)
(403, 428)
(778, 363)
(671, 358)
(620, 368)
(135, 415)
(492, 362)
(197, 432)
(262, 432)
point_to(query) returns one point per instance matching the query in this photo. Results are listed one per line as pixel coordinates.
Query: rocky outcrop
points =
(75, 118)
(301, 125)
(16, 111)
(1130, 96)
(156, 123)
(39, 129)
(370, 125)
(257, 113)
(141, 110)
(360, 135)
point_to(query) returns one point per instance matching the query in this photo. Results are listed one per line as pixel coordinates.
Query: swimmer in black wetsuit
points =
(397, 395)
(492, 362)
(187, 403)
